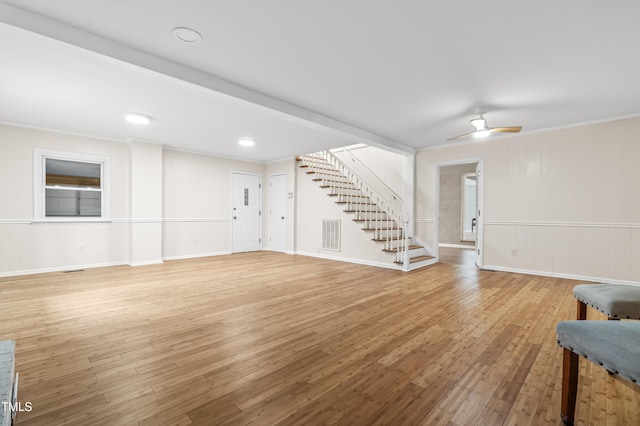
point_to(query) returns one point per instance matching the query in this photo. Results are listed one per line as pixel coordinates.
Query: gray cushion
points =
(613, 344)
(614, 300)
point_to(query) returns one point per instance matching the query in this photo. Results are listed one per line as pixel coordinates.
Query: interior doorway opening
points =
(459, 207)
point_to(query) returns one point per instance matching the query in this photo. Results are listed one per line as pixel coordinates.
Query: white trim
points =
(563, 224)
(146, 220)
(69, 221)
(197, 219)
(62, 132)
(209, 154)
(559, 275)
(350, 260)
(16, 221)
(460, 246)
(62, 268)
(196, 255)
(113, 220)
(425, 220)
(422, 264)
(147, 262)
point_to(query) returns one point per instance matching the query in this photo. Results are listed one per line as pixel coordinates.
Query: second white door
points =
(277, 212)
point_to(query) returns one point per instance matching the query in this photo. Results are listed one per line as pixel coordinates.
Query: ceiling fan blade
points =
(511, 129)
(461, 136)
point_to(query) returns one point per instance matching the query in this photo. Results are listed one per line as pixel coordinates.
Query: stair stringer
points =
(324, 171)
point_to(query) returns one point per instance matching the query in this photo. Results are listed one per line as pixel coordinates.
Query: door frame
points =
(479, 249)
(231, 194)
(284, 249)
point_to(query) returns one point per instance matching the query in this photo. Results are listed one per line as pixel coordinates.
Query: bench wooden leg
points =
(569, 386)
(582, 311)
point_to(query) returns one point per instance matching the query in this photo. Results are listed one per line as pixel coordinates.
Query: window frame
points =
(39, 185)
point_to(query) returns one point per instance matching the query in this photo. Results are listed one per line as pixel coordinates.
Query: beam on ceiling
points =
(57, 30)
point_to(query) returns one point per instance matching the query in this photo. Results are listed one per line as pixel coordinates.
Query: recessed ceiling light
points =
(246, 142)
(137, 118)
(187, 35)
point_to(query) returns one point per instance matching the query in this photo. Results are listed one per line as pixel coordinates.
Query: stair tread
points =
(393, 250)
(331, 169)
(366, 220)
(364, 211)
(389, 239)
(356, 202)
(416, 259)
(313, 160)
(361, 204)
(312, 172)
(350, 188)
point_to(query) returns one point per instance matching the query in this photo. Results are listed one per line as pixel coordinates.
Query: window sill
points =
(70, 220)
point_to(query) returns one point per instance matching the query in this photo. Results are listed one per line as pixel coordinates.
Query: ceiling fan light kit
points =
(482, 130)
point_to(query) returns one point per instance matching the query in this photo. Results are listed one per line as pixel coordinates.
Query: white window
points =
(70, 187)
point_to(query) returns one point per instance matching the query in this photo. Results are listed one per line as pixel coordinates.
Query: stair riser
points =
(362, 209)
(377, 235)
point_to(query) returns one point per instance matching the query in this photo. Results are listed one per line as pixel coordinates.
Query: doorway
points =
(459, 189)
(246, 199)
(277, 211)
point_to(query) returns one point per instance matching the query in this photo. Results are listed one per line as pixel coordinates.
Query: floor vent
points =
(331, 234)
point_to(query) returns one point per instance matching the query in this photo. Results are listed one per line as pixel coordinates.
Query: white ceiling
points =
(301, 75)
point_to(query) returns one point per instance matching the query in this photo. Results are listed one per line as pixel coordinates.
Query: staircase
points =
(385, 223)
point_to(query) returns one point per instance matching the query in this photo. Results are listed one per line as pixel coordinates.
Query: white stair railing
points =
(388, 225)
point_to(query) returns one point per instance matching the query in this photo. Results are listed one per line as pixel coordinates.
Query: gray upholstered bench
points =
(7, 388)
(614, 300)
(615, 345)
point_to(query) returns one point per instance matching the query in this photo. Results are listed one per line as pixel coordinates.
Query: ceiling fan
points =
(482, 130)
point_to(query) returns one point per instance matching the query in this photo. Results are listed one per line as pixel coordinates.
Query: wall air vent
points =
(331, 234)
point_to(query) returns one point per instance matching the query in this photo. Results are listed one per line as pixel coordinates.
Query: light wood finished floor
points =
(268, 338)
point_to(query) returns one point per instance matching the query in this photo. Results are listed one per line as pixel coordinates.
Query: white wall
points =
(197, 208)
(25, 247)
(381, 170)
(566, 200)
(165, 204)
(146, 203)
(312, 206)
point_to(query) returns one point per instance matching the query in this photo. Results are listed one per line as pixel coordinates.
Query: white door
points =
(469, 206)
(246, 200)
(479, 214)
(277, 210)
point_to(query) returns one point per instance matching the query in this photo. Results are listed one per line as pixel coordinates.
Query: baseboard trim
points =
(423, 264)
(146, 262)
(462, 246)
(196, 255)
(560, 275)
(61, 269)
(350, 260)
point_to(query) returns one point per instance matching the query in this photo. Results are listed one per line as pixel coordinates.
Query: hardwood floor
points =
(268, 338)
